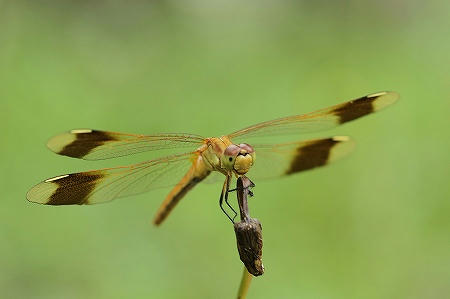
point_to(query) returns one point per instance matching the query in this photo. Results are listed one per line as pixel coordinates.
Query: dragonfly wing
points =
(103, 185)
(97, 145)
(288, 158)
(214, 177)
(319, 120)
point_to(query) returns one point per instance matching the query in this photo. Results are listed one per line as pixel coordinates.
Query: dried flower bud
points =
(249, 244)
(248, 231)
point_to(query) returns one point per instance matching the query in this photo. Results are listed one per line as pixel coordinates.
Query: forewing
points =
(319, 120)
(97, 145)
(103, 185)
(278, 160)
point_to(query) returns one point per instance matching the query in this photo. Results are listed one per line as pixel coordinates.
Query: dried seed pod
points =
(248, 231)
(249, 244)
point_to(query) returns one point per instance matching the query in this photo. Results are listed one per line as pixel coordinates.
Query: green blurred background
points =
(374, 225)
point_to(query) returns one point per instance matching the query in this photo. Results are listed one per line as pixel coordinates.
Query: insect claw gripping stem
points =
(250, 192)
(251, 184)
(226, 190)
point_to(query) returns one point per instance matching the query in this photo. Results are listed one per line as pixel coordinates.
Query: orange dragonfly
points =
(228, 154)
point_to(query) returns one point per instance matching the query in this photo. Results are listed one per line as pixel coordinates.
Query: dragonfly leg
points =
(228, 204)
(251, 183)
(250, 193)
(225, 187)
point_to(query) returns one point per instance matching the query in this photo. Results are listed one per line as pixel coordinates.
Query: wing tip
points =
(344, 145)
(58, 142)
(35, 194)
(67, 189)
(383, 99)
(78, 143)
(341, 138)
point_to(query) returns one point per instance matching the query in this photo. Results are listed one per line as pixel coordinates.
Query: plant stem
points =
(245, 284)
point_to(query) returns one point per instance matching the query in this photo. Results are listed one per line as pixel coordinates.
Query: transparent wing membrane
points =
(319, 120)
(97, 145)
(277, 160)
(103, 185)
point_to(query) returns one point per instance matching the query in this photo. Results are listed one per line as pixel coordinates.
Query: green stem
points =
(245, 284)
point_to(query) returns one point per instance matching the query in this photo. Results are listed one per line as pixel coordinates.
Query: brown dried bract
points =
(248, 231)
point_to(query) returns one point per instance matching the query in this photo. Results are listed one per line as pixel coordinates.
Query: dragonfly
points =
(230, 155)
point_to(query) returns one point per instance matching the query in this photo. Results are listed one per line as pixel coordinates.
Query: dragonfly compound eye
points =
(229, 156)
(246, 147)
(243, 163)
(232, 150)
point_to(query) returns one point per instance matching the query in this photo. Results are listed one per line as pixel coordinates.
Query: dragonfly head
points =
(238, 158)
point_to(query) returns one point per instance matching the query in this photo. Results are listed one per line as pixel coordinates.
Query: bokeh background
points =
(374, 225)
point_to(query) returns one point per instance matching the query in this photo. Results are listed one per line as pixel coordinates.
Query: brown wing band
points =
(74, 189)
(84, 143)
(355, 109)
(313, 155)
